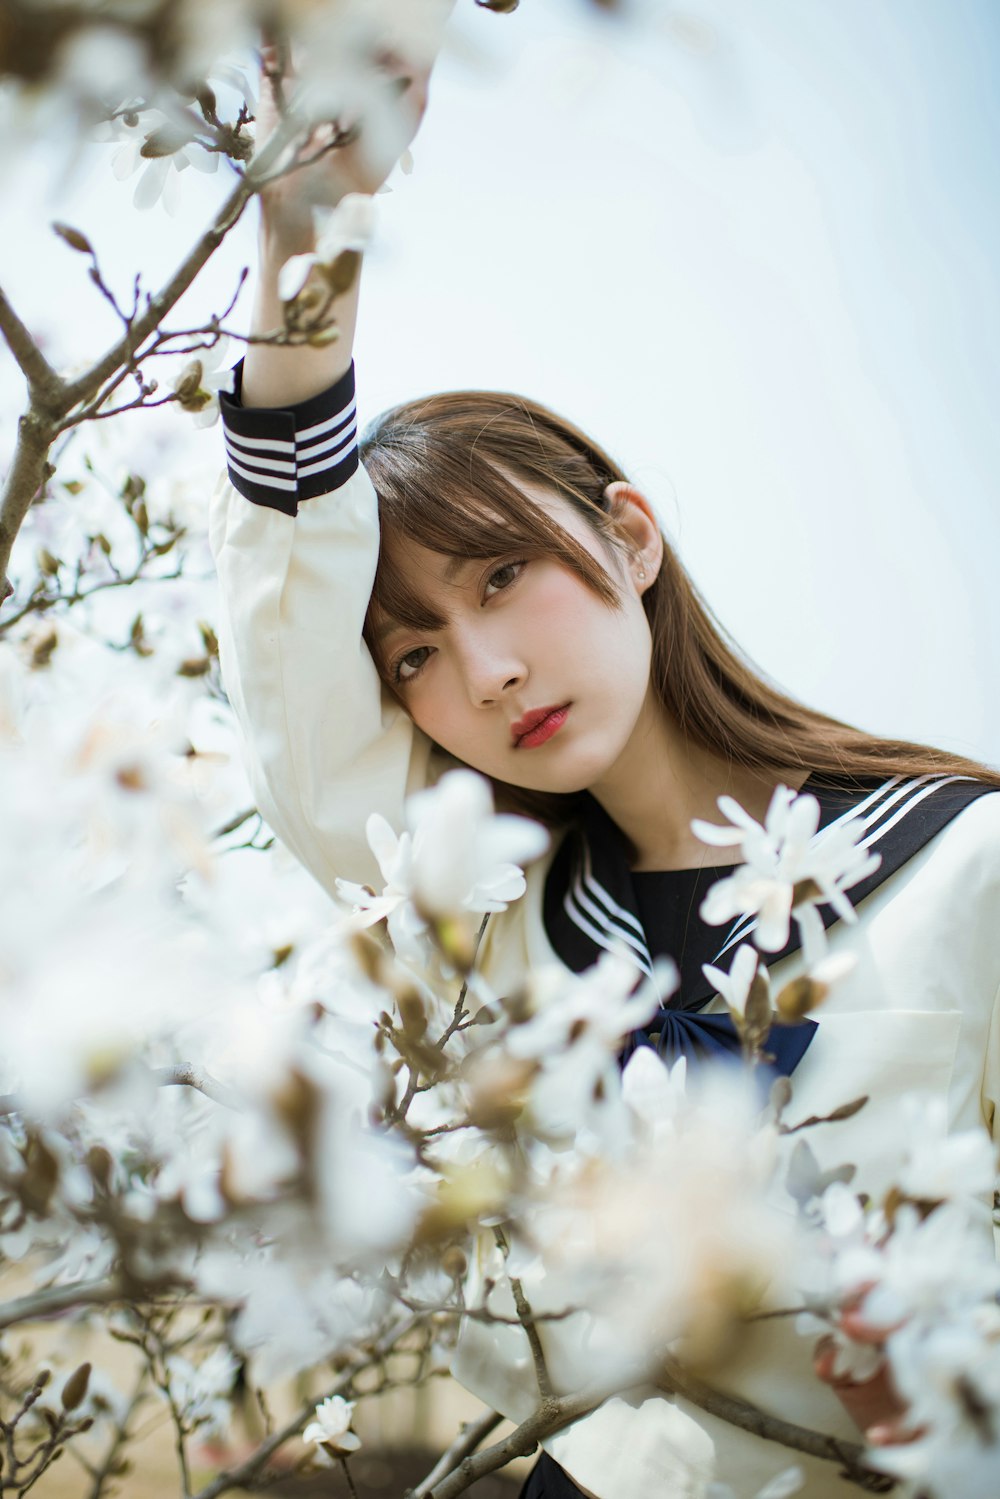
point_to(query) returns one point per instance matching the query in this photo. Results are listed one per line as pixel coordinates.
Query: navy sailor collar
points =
(590, 903)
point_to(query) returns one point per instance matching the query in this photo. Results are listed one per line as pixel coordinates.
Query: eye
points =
(406, 667)
(502, 577)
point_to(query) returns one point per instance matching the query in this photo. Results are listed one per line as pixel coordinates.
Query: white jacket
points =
(326, 745)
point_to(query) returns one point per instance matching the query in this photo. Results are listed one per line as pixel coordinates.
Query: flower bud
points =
(74, 1391)
(454, 1263)
(74, 238)
(798, 998)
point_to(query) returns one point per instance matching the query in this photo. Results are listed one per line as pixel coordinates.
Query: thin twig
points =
(120, 1437)
(550, 1416)
(246, 1472)
(42, 603)
(472, 1435)
(186, 1075)
(527, 1321)
(233, 823)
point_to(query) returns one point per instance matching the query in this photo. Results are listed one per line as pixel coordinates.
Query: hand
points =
(874, 1404)
(397, 100)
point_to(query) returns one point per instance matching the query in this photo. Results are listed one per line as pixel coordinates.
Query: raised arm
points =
(294, 530)
(276, 376)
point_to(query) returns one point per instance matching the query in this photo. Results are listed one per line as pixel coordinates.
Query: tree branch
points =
(167, 297)
(468, 1439)
(850, 1455)
(41, 1304)
(550, 1416)
(53, 399)
(25, 477)
(246, 1472)
(186, 1075)
(527, 1320)
(43, 382)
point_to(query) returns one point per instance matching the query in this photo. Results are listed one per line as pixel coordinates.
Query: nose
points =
(492, 669)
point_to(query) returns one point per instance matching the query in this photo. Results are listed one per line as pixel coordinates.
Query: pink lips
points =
(538, 726)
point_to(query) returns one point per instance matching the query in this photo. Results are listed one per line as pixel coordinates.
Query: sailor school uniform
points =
(294, 530)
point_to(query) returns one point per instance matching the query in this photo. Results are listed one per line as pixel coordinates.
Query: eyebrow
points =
(453, 567)
(455, 564)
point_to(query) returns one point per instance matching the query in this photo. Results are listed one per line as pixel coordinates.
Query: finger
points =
(893, 1434)
(857, 1327)
(825, 1359)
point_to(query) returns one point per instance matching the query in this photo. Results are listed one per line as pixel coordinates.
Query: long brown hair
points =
(448, 471)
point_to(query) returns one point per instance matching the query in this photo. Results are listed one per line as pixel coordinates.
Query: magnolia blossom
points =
(456, 857)
(203, 1392)
(349, 226)
(949, 1375)
(331, 1428)
(606, 1226)
(158, 174)
(939, 1166)
(735, 985)
(790, 867)
(198, 384)
(578, 1025)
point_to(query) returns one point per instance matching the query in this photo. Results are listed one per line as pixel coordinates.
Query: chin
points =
(565, 775)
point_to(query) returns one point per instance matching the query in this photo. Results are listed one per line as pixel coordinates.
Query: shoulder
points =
(969, 845)
(936, 917)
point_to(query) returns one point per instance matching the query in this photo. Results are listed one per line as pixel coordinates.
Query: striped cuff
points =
(279, 456)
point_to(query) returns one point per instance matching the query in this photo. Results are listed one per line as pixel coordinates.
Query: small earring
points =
(642, 576)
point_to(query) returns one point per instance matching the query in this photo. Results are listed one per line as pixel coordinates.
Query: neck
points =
(661, 781)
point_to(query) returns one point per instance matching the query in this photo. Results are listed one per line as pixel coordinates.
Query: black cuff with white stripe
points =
(279, 456)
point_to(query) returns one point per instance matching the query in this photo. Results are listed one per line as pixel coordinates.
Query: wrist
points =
(285, 230)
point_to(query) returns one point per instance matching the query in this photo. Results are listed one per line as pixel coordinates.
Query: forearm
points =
(277, 375)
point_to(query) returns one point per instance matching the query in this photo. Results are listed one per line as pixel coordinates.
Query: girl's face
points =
(532, 679)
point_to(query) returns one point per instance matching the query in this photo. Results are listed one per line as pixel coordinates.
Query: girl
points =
(481, 584)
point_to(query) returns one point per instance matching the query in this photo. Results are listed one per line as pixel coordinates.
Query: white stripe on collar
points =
(904, 797)
(616, 912)
(589, 918)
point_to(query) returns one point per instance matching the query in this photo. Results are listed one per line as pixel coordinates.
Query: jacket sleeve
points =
(294, 533)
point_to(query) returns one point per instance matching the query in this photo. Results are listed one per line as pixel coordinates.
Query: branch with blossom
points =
(264, 1139)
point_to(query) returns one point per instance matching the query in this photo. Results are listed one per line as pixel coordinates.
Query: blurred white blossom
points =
(349, 226)
(456, 857)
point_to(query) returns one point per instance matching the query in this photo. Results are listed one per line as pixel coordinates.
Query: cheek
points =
(563, 610)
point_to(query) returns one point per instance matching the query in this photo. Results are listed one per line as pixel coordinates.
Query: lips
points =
(538, 725)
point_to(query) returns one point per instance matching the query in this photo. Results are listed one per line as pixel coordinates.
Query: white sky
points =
(752, 247)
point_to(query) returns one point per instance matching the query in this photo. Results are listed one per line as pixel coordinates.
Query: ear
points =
(635, 519)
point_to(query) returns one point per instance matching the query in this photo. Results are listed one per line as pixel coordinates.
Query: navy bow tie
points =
(704, 1038)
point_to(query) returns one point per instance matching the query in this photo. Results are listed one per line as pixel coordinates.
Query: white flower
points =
(157, 174)
(578, 1025)
(464, 856)
(349, 226)
(790, 867)
(735, 986)
(199, 382)
(653, 1091)
(949, 1377)
(939, 1166)
(457, 858)
(203, 1392)
(927, 1269)
(599, 1002)
(331, 1426)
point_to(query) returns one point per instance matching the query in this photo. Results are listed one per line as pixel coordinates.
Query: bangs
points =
(456, 489)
